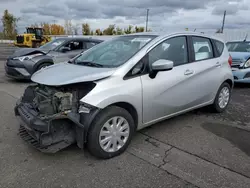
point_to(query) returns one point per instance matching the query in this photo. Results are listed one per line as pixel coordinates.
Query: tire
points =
(42, 66)
(216, 107)
(94, 135)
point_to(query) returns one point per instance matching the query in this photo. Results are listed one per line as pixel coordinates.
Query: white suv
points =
(102, 96)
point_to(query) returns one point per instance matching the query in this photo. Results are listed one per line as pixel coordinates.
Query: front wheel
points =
(42, 66)
(110, 132)
(222, 98)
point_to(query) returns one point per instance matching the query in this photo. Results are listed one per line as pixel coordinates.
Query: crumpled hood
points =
(240, 56)
(27, 51)
(66, 73)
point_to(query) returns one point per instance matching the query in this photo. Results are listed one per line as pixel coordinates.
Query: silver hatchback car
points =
(102, 96)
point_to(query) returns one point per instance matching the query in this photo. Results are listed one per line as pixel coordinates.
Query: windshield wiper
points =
(89, 63)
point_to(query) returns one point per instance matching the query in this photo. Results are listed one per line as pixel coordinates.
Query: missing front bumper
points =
(26, 136)
(48, 135)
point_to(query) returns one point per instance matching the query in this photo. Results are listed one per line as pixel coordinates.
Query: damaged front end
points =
(50, 118)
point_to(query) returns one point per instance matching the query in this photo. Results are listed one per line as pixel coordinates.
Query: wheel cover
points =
(224, 97)
(114, 134)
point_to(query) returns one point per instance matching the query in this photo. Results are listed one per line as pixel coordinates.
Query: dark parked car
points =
(26, 61)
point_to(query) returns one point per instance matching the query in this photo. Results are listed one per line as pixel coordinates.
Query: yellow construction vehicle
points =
(33, 38)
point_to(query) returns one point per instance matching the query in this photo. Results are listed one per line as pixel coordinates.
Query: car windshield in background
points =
(52, 44)
(238, 46)
(114, 52)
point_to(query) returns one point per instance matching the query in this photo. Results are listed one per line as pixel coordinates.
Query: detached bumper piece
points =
(29, 139)
(47, 135)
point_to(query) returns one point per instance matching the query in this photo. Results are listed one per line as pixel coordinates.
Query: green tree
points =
(128, 30)
(139, 29)
(68, 27)
(9, 22)
(110, 30)
(86, 29)
(46, 28)
(1, 35)
(98, 32)
(119, 31)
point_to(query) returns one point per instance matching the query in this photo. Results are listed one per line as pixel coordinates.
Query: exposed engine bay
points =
(50, 118)
(48, 101)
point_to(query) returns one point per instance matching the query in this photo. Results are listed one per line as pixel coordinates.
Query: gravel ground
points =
(197, 149)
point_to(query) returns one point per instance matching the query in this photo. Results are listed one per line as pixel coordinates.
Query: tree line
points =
(9, 23)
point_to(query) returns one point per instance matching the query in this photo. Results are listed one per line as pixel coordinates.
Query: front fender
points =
(116, 90)
(40, 60)
(31, 65)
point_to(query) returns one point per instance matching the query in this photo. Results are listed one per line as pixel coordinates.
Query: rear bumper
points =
(241, 75)
(50, 134)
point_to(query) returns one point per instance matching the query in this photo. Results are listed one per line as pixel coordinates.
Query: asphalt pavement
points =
(197, 149)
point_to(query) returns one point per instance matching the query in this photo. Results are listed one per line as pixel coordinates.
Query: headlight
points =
(84, 108)
(247, 64)
(28, 57)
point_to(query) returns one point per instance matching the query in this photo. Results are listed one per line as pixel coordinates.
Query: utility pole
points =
(223, 22)
(147, 21)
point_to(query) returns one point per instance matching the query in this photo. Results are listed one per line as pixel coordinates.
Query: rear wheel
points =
(110, 132)
(222, 98)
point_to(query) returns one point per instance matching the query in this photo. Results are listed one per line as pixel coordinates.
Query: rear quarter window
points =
(219, 46)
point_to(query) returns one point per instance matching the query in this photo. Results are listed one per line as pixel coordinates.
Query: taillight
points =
(230, 60)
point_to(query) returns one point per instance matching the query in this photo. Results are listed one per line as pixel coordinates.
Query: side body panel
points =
(113, 90)
(162, 97)
(31, 65)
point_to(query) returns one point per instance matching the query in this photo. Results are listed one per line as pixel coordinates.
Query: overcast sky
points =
(163, 14)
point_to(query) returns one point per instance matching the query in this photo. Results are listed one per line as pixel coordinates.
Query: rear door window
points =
(202, 48)
(90, 44)
(75, 45)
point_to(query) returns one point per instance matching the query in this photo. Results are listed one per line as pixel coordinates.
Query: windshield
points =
(52, 44)
(114, 52)
(30, 30)
(238, 46)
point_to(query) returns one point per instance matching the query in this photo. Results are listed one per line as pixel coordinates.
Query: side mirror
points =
(65, 49)
(162, 65)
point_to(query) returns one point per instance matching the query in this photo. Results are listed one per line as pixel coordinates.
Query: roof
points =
(247, 41)
(165, 34)
(101, 38)
(86, 38)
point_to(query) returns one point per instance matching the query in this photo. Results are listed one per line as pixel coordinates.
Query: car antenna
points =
(245, 38)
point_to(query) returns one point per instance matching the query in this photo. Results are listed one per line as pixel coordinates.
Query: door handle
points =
(188, 72)
(218, 64)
